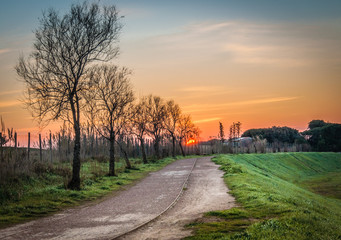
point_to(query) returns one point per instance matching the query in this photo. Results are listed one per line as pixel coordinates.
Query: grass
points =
(281, 196)
(27, 198)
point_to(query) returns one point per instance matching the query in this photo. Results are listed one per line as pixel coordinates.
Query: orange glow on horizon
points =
(191, 141)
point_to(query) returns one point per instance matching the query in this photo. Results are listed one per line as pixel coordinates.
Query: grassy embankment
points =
(281, 196)
(28, 197)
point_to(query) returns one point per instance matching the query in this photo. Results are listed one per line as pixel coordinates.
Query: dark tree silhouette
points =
(156, 111)
(173, 112)
(139, 121)
(110, 89)
(64, 48)
(186, 129)
(221, 133)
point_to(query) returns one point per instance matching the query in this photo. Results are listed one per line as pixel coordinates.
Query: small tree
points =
(238, 129)
(186, 129)
(138, 127)
(221, 133)
(110, 89)
(156, 111)
(172, 119)
(64, 48)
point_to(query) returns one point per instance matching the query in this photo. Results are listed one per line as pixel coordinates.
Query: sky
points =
(263, 63)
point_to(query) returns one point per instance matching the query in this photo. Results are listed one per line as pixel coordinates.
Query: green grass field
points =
(30, 197)
(281, 196)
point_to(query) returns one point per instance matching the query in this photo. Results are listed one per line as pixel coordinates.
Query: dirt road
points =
(136, 205)
(205, 192)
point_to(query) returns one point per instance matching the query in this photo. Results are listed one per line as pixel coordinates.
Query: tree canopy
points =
(275, 134)
(324, 136)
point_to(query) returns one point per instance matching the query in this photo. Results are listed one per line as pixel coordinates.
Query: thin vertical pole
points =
(28, 146)
(50, 147)
(2, 156)
(40, 150)
(15, 141)
(59, 147)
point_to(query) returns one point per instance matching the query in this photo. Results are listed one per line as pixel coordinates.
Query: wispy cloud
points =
(207, 120)
(214, 107)
(281, 44)
(10, 92)
(200, 89)
(4, 50)
(265, 100)
(198, 92)
(9, 103)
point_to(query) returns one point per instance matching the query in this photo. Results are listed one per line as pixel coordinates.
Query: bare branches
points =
(109, 97)
(64, 48)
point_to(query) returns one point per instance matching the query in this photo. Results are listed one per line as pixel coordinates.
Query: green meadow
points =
(280, 196)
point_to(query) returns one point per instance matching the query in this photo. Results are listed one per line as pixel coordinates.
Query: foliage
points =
(276, 199)
(276, 134)
(324, 136)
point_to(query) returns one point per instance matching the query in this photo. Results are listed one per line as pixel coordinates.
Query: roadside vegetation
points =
(44, 192)
(281, 196)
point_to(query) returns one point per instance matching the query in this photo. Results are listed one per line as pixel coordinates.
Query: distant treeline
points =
(276, 134)
(321, 136)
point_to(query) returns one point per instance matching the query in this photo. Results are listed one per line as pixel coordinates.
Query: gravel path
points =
(113, 216)
(142, 202)
(206, 191)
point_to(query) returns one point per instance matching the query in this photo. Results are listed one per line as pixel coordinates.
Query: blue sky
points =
(262, 62)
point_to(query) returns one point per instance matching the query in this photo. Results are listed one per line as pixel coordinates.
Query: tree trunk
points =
(156, 148)
(40, 149)
(144, 156)
(182, 150)
(173, 143)
(112, 155)
(1, 150)
(126, 158)
(76, 165)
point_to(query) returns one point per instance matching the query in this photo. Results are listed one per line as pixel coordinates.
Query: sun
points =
(191, 141)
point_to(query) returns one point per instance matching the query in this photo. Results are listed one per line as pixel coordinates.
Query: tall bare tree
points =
(63, 49)
(186, 129)
(138, 125)
(156, 111)
(111, 90)
(172, 119)
(221, 133)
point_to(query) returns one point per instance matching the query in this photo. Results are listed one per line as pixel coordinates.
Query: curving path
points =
(205, 191)
(137, 205)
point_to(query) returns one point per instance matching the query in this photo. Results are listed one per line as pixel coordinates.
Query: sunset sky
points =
(263, 63)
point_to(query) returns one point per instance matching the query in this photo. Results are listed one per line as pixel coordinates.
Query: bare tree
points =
(186, 129)
(173, 112)
(122, 130)
(138, 125)
(221, 133)
(156, 111)
(63, 49)
(111, 90)
(238, 129)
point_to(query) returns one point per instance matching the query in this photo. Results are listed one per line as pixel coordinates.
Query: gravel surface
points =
(206, 191)
(114, 215)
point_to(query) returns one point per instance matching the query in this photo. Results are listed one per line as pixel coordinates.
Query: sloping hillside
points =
(282, 196)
